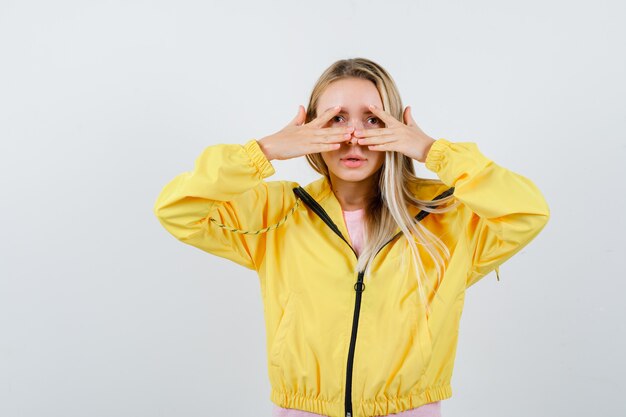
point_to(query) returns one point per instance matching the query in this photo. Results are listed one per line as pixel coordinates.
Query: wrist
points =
(426, 150)
(264, 149)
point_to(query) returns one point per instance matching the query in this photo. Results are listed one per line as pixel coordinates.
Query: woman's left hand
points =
(406, 137)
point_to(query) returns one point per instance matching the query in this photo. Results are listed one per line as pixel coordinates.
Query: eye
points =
(335, 117)
(375, 118)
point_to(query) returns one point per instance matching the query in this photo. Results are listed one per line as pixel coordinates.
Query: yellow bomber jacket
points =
(338, 346)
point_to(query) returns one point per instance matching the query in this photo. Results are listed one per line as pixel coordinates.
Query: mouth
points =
(353, 158)
(353, 162)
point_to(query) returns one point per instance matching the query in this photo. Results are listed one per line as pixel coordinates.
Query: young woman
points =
(363, 272)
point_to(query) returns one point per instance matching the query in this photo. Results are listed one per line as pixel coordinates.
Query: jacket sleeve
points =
(227, 185)
(506, 209)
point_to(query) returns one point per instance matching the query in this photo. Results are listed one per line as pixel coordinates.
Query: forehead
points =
(352, 94)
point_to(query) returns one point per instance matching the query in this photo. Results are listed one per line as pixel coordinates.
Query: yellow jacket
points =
(337, 346)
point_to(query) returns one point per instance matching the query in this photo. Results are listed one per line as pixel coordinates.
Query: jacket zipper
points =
(359, 286)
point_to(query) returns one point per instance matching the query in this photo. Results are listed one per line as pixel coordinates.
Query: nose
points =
(356, 125)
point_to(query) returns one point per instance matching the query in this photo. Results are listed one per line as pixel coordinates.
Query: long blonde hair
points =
(396, 179)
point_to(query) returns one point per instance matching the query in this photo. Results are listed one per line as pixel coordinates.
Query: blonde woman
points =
(362, 272)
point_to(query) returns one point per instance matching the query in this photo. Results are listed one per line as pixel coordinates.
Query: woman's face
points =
(353, 95)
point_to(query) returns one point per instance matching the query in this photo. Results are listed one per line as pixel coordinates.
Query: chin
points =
(353, 176)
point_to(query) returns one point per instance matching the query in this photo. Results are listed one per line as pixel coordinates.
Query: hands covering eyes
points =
(406, 137)
(298, 139)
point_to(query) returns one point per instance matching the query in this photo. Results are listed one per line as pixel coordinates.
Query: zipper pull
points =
(359, 285)
(348, 414)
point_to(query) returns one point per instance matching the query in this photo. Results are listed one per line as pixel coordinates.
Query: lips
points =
(353, 157)
(353, 160)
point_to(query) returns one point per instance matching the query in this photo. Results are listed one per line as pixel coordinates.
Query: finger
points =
(324, 147)
(375, 140)
(406, 116)
(382, 146)
(363, 133)
(333, 130)
(386, 117)
(411, 120)
(341, 137)
(300, 117)
(323, 118)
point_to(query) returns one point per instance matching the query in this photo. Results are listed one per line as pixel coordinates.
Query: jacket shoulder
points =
(427, 188)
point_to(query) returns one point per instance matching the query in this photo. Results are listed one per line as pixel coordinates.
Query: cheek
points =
(377, 157)
(329, 156)
(379, 161)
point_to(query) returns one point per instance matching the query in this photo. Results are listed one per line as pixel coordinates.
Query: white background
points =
(103, 313)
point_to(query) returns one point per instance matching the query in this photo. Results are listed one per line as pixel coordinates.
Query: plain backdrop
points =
(103, 313)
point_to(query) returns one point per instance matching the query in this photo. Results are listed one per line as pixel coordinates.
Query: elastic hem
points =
(396, 405)
(435, 155)
(367, 408)
(263, 165)
(313, 405)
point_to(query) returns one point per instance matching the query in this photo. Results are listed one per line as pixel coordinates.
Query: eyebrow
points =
(344, 110)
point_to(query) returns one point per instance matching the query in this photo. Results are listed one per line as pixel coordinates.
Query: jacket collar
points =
(321, 191)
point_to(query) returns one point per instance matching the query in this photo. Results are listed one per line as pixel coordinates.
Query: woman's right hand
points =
(298, 139)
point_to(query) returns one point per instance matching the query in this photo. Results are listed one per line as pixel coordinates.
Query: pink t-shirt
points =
(356, 226)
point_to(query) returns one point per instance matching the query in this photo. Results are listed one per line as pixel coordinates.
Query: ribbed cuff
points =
(436, 154)
(259, 159)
